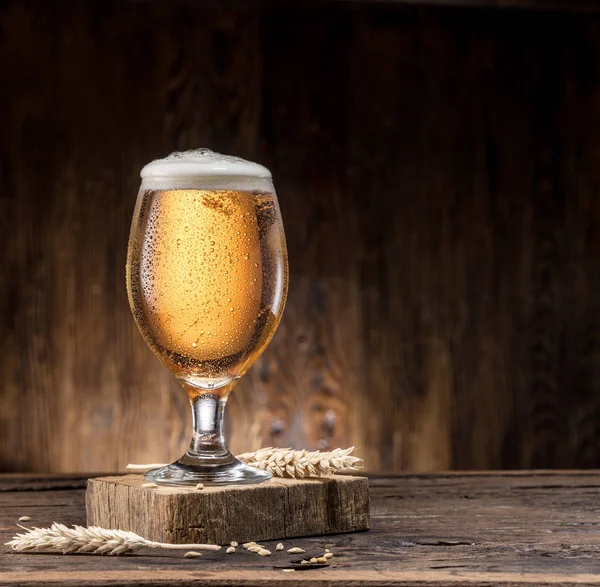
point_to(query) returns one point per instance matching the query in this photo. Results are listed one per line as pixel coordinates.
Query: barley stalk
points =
(297, 464)
(92, 540)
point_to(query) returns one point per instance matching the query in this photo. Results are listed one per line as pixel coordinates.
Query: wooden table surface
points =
(539, 528)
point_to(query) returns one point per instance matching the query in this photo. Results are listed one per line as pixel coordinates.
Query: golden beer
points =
(204, 280)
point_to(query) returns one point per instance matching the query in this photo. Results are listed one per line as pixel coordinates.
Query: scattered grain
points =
(192, 554)
(279, 546)
(328, 555)
(24, 519)
(289, 570)
(295, 550)
(313, 559)
(230, 550)
(233, 543)
(264, 552)
(200, 486)
(321, 559)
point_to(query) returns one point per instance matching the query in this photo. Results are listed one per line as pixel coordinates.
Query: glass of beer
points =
(207, 279)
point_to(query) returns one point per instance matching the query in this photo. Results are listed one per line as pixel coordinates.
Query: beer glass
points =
(207, 282)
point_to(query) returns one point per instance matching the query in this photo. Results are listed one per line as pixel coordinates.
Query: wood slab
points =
(278, 509)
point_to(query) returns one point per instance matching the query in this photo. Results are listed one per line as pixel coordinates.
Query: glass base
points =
(187, 472)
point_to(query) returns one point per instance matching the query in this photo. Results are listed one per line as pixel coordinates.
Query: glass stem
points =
(207, 420)
(207, 460)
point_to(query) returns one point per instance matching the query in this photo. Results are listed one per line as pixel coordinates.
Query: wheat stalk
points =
(91, 540)
(285, 462)
(297, 464)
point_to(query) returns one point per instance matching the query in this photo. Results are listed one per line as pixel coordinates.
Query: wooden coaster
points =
(280, 508)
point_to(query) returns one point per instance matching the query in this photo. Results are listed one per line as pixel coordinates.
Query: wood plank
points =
(542, 5)
(261, 578)
(476, 529)
(37, 482)
(278, 509)
(437, 171)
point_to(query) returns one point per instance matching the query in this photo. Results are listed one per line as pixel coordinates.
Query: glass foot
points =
(184, 472)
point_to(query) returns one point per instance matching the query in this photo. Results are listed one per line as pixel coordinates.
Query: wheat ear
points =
(297, 464)
(285, 462)
(92, 540)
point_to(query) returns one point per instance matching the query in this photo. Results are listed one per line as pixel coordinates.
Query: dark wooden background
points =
(438, 170)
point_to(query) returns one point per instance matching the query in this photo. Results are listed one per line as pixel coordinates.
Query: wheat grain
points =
(264, 552)
(279, 546)
(92, 540)
(297, 464)
(233, 543)
(230, 550)
(192, 554)
(24, 519)
(295, 550)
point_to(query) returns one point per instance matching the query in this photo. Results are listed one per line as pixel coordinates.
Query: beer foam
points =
(207, 169)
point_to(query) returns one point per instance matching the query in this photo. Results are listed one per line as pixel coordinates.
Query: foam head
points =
(207, 169)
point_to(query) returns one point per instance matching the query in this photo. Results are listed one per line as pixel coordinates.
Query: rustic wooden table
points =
(537, 528)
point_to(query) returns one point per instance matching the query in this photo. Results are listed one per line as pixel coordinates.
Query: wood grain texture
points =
(477, 529)
(279, 509)
(544, 5)
(437, 171)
